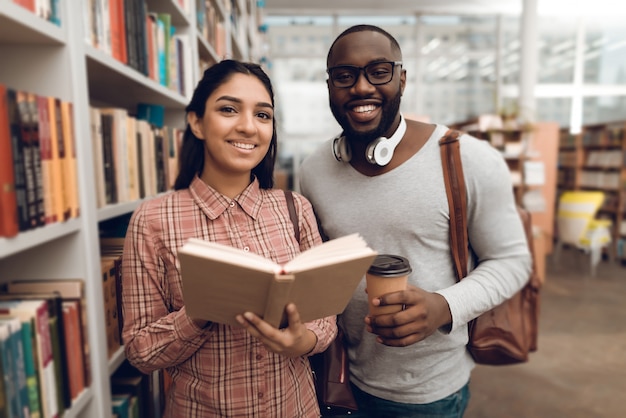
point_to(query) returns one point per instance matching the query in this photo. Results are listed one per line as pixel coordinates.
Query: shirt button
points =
(261, 394)
(246, 249)
(232, 204)
(259, 356)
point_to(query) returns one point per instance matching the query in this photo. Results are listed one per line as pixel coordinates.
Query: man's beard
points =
(389, 111)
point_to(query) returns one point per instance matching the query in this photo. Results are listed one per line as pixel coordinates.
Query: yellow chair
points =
(577, 225)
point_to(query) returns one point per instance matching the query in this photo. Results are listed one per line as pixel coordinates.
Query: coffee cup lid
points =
(388, 265)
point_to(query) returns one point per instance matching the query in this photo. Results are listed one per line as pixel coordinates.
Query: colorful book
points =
(54, 303)
(69, 290)
(70, 176)
(12, 357)
(47, 172)
(37, 311)
(28, 151)
(9, 223)
(73, 347)
(35, 146)
(19, 169)
(57, 147)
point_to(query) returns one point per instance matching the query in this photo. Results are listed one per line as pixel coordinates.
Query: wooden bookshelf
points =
(595, 159)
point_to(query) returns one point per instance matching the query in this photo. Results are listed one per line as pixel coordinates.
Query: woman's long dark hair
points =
(191, 158)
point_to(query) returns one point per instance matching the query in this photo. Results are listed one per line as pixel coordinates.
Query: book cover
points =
(28, 151)
(30, 367)
(37, 311)
(35, 144)
(117, 30)
(45, 145)
(320, 281)
(109, 291)
(57, 148)
(19, 167)
(12, 353)
(119, 151)
(73, 346)
(7, 361)
(9, 222)
(70, 175)
(98, 155)
(132, 156)
(110, 188)
(164, 36)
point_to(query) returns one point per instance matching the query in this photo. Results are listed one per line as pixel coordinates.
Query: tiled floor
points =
(579, 370)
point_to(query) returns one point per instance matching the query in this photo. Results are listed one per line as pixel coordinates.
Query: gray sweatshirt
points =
(405, 212)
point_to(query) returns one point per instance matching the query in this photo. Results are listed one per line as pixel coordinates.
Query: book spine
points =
(7, 358)
(27, 157)
(9, 222)
(30, 368)
(109, 163)
(70, 173)
(17, 147)
(18, 364)
(58, 157)
(45, 148)
(35, 144)
(46, 363)
(63, 156)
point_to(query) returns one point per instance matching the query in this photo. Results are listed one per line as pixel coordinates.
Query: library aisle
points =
(579, 370)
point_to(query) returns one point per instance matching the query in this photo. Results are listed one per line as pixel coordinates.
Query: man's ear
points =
(402, 81)
(195, 124)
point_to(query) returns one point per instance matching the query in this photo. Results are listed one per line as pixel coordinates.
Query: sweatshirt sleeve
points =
(496, 236)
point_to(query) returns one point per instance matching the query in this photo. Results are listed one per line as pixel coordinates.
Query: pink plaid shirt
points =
(220, 370)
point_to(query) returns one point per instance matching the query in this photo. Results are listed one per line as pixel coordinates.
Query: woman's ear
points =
(195, 124)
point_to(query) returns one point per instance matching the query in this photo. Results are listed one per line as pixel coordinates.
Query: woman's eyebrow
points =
(237, 100)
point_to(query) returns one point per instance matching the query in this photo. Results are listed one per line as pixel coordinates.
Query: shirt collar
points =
(213, 203)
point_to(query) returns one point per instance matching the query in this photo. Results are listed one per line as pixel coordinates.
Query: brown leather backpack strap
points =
(292, 214)
(457, 200)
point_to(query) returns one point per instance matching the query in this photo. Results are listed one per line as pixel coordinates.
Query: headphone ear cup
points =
(371, 151)
(383, 153)
(341, 150)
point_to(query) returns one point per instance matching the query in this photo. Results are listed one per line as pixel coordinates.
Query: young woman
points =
(224, 194)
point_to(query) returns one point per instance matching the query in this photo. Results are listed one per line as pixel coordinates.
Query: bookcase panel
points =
(62, 61)
(19, 26)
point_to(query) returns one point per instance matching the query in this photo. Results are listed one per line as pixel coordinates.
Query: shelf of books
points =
(595, 159)
(92, 98)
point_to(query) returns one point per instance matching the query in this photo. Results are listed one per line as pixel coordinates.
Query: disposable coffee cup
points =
(388, 273)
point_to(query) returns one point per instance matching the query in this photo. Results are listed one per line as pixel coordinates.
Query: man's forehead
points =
(368, 45)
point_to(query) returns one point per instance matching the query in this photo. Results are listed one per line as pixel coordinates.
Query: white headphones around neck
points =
(379, 151)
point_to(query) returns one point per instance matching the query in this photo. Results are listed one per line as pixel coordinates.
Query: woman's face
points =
(236, 128)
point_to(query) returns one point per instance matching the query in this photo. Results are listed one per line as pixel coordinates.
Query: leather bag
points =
(330, 369)
(331, 374)
(507, 333)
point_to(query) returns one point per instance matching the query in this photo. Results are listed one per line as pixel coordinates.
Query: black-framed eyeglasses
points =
(376, 73)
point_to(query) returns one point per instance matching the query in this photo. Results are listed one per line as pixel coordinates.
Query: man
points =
(383, 178)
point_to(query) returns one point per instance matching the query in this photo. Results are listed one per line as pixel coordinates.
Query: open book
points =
(220, 282)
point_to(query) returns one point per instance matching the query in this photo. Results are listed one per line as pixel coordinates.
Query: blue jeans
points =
(452, 406)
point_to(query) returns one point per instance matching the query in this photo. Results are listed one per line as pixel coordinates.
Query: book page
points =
(331, 252)
(228, 254)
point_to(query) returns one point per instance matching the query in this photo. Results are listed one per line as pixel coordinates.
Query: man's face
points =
(366, 111)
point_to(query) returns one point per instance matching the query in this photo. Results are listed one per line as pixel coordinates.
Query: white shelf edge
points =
(206, 48)
(40, 30)
(79, 404)
(122, 69)
(116, 360)
(113, 211)
(32, 238)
